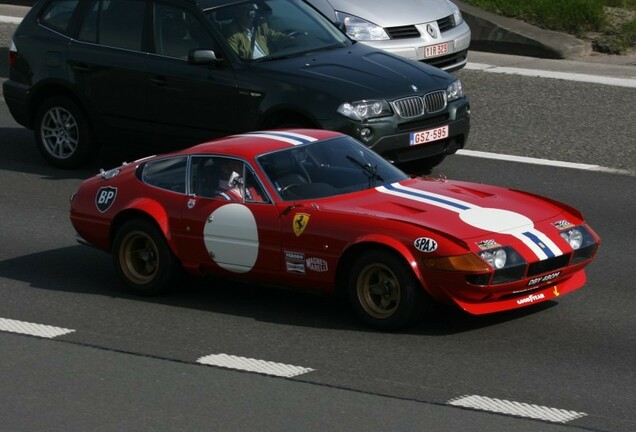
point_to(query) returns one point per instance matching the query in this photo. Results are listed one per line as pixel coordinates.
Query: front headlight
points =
(365, 109)
(359, 29)
(574, 237)
(454, 91)
(457, 15)
(509, 266)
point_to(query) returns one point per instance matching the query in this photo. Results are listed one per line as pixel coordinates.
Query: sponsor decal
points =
(294, 256)
(300, 223)
(562, 224)
(545, 278)
(293, 267)
(105, 198)
(425, 244)
(531, 298)
(317, 264)
(488, 244)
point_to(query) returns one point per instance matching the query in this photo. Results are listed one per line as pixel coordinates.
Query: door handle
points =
(159, 80)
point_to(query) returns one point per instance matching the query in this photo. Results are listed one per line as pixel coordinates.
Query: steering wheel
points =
(288, 187)
(290, 35)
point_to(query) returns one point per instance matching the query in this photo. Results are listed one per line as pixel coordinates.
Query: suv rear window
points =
(115, 23)
(57, 14)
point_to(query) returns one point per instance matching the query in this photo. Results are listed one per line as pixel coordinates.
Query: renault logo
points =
(431, 31)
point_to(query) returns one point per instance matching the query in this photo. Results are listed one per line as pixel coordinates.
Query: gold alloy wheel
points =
(139, 257)
(378, 290)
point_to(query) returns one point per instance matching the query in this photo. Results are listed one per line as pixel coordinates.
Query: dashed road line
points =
(32, 329)
(568, 76)
(519, 409)
(10, 20)
(547, 162)
(253, 365)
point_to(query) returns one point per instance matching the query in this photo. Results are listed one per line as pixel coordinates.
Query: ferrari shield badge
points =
(300, 223)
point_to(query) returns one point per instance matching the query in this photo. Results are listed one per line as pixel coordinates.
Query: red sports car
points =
(317, 210)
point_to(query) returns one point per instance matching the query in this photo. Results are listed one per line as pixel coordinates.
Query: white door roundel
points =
(231, 237)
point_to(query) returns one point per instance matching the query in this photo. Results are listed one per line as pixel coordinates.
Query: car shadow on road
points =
(83, 270)
(20, 154)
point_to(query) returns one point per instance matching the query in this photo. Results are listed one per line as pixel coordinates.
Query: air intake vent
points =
(446, 24)
(403, 32)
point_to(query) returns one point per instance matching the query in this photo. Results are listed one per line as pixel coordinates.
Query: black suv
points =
(165, 72)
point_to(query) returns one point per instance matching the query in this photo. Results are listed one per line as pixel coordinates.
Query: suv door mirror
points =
(201, 56)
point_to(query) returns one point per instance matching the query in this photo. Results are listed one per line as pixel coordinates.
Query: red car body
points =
(441, 233)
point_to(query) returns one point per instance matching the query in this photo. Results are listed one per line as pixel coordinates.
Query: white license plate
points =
(426, 136)
(436, 50)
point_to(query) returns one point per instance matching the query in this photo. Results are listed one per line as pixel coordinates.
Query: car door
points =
(238, 231)
(108, 64)
(188, 102)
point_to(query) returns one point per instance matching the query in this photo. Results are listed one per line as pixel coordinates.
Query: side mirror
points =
(202, 57)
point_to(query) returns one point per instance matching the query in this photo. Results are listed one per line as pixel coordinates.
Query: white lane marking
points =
(568, 76)
(516, 408)
(10, 20)
(537, 161)
(253, 365)
(41, 330)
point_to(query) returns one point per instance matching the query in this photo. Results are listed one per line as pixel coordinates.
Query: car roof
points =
(252, 144)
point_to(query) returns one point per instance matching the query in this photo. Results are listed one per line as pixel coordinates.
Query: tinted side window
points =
(177, 31)
(167, 174)
(57, 14)
(115, 23)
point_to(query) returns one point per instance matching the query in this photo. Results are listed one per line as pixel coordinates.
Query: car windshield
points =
(327, 168)
(272, 29)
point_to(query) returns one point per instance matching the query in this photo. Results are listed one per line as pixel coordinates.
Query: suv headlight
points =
(365, 109)
(454, 91)
(359, 29)
(457, 15)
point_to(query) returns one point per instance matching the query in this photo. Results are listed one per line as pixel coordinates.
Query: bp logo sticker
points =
(425, 244)
(105, 198)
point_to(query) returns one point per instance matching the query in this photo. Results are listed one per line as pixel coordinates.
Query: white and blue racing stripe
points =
(288, 137)
(425, 197)
(538, 242)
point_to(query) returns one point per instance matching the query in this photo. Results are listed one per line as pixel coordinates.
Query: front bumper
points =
(390, 136)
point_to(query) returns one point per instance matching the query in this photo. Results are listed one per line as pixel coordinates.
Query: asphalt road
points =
(131, 363)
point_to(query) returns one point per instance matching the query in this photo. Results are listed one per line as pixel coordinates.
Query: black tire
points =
(383, 291)
(62, 133)
(142, 258)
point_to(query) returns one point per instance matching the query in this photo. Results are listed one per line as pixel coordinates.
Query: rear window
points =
(115, 23)
(169, 174)
(57, 14)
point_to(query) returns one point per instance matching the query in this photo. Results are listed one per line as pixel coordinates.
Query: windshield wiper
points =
(371, 170)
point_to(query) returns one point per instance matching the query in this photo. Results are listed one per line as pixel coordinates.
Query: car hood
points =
(466, 211)
(360, 71)
(390, 14)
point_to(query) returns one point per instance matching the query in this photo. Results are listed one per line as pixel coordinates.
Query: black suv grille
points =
(415, 106)
(409, 107)
(435, 101)
(446, 24)
(403, 32)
